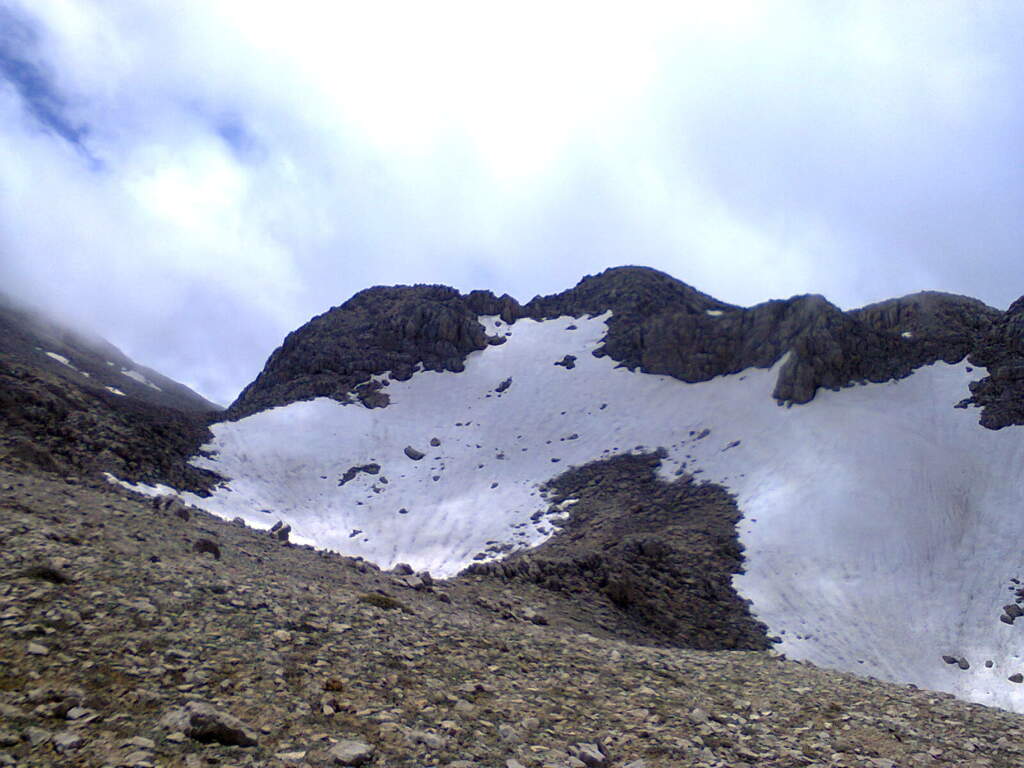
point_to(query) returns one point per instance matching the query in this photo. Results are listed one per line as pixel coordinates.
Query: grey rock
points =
(350, 752)
(37, 736)
(426, 738)
(139, 741)
(140, 758)
(202, 722)
(67, 740)
(588, 753)
(1016, 677)
(413, 454)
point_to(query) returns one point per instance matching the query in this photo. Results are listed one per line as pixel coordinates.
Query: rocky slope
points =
(659, 325)
(73, 403)
(135, 636)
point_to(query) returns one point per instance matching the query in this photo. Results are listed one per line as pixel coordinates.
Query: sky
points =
(194, 179)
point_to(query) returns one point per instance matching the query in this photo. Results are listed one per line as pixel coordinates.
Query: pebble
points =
(351, 752)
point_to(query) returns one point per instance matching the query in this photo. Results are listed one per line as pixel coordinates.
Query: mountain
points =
(623, 525)
(419, 425)
(71, 402)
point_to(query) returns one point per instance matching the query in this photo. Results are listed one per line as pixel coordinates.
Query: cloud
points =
(193, 180)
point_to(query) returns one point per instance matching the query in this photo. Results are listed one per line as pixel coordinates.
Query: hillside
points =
(624, 525)
(127, 639)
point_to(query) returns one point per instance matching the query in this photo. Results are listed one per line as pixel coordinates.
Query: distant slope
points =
(73, 403)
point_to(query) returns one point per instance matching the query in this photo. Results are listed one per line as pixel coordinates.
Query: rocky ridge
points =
(124, 641)
(658, 325)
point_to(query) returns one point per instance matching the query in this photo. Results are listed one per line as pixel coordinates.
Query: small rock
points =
(413, 582)
(434, 442)
(37, 650)
(1016, 677)
(949, 659)
(208, 546)
(139, 741)
(37, 736)
(65, 740)
(413, 454)
(140, 758)
(963, 663)
(427, 739)
(201, 722)
(402, 569)
(351, 752)
(588, 753)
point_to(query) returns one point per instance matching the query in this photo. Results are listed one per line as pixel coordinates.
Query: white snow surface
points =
(60, 359)
(64, 361)
(882, 526)
(141, 378)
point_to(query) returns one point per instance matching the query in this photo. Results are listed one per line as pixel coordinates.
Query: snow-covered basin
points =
(882, 525)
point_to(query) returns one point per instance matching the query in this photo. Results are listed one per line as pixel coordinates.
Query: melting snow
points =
(64, 361)
(881, 524)
(137, 376)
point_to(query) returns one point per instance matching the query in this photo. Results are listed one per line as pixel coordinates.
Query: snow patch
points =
(139, 377)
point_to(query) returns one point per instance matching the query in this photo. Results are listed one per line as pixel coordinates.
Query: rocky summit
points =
(457, 530)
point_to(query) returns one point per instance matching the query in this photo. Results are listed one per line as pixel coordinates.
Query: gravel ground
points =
(132, 636)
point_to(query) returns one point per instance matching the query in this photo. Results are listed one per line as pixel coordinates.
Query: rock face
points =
(1001, 393)
(658, 325)
(380, 329)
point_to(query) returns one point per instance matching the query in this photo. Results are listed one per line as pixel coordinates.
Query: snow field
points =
(881, 525)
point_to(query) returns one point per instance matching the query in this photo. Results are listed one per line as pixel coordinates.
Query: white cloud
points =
(268, 160)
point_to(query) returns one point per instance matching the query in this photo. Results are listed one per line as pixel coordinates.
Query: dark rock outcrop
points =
(1001, 351)
(653, 559)
(382, 329)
